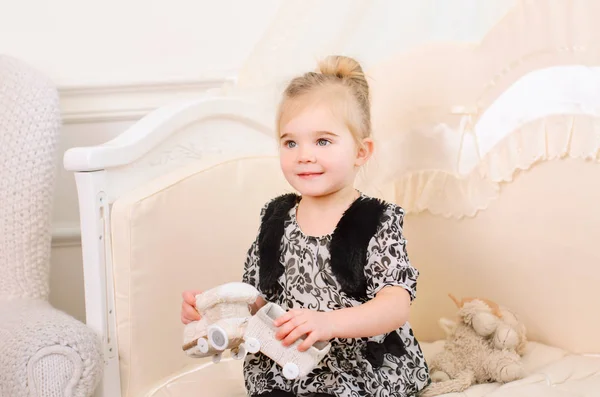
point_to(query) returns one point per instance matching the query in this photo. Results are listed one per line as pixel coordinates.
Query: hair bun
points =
(346, 69)
(341, 67)
(339, 74)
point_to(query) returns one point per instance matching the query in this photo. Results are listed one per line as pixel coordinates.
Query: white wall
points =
(113, 62)
(83, 42)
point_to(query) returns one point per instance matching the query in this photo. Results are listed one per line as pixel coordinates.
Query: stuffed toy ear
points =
(449, 326)
(493, 306)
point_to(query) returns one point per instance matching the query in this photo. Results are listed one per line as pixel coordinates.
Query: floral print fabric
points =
(308, 282)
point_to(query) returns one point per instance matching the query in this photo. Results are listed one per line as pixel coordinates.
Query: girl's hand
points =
(295, 323)
(188, 307)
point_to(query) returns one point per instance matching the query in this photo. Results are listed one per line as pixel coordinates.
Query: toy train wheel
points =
(238, 353)
(252, 345)
(218, 337)
(291, 371)
(202, 345)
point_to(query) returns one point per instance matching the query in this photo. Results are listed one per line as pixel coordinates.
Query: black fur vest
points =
(348, 247)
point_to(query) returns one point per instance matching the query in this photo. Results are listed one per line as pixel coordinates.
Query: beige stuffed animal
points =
(485, 345)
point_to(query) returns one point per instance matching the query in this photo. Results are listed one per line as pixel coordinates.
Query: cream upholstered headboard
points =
(534, 249)
(157, 207)
(187, 230)
(493, 149)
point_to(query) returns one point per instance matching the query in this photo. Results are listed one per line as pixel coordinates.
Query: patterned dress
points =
(353, 367)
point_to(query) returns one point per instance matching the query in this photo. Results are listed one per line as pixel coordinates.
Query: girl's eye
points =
(289, 144)
(323, 142)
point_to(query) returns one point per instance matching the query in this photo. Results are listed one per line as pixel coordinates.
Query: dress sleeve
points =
(387, 262)
(251, 273)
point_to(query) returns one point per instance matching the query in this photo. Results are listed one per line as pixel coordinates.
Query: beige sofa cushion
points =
(534, 249)
(551, 372)
(188, 230)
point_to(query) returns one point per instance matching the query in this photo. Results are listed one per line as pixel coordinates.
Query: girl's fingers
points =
(279, 321)
(286, 317)
(188, 306)
(284, 330)
(289, 326)
(189, 297)
(308, 342)
(190, 312)
(295, 334)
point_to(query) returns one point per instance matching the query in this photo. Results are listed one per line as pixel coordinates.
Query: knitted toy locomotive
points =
(224, 314)
(227, 324)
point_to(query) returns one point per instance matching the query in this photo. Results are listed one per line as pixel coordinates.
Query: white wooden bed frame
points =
(150, 148)
(163, 141)
(541, 116)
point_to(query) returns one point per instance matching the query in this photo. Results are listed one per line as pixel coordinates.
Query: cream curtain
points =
(370, 30)
(465, 92)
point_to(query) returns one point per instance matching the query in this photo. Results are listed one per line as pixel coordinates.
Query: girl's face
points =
(318, 154)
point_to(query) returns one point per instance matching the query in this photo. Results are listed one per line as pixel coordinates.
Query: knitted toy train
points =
(227, 324)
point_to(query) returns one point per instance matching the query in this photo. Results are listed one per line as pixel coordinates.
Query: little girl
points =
(333, 257)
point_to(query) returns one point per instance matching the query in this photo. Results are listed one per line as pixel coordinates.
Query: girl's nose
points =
(306, 155)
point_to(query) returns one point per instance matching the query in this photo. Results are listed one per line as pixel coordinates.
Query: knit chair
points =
(43, 351)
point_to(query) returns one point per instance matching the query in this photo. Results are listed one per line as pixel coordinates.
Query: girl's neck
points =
(319, 216)
(342, 198)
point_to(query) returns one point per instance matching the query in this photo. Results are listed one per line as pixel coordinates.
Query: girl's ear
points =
(365, 150)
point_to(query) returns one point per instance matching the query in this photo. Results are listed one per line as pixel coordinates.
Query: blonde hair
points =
(339, 75)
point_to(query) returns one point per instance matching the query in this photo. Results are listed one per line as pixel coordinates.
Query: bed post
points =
(98, 276)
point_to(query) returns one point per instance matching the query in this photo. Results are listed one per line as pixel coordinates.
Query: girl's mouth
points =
(309, 175)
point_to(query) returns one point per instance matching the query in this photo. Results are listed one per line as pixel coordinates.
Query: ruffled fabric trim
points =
(548, 138)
